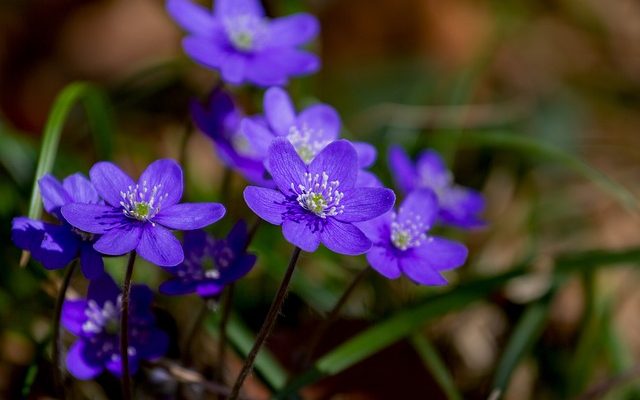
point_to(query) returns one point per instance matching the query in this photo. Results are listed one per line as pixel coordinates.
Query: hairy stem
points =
(124, 328)
(57, 337)
(267, 326)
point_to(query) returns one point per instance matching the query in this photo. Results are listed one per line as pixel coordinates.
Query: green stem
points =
(124, 328)
(227, 302)
(267, 326)
(57, 337)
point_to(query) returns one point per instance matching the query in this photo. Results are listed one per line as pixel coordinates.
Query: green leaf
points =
(436, 366)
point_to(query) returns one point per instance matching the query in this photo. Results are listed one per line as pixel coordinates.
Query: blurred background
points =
(535, 103)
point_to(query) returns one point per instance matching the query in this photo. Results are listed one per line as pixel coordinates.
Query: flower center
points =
(304, 140)
(319, 196)
(408, 232)
(438, 182)
(246, 32)
(102, 319)
(141, 203)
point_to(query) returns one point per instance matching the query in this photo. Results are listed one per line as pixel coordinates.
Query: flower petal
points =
(73, 316)
(460, 207)
(344, 238)
(120, 240)
(339, 160)
(433, 171)
(384, 261)
(293, 30)
(91, 262)
(422, 204)
(231, 8)
(260, 71)
(26, 233)
(323, 120)
(79, 365)
(419, 270)
(152, 345)
(167, 175)
(177, 287)
(285, 165)
(279, 110)
(301, 234)
(240, 268)
(103, 289)
(233, 68)
(192, 17)
(259, 137)
(110, 181)
(268, 204)
(81, 189)
(54, 195)
(368, 179)
(159, 246)
(402, 169)
(365, 203)
(209, 289)
(189, 216)
(442, 254)
(367, 154)
(58, 248)
(378, 230)
(204, 51)
(93, 218)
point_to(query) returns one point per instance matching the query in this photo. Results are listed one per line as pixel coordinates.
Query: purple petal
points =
(159, 246)
(239, 269)
(153, 344)
(338, 160)
(289, 60)
(231, 8)
(81, 189)
(402, 169)
(54, 195)
(259, 137)
(114, 365)
(91, 262)
(285, 165)
(238, 235)
(293, 30)
(26, 233)
(432, 170)
(58, 248)
(268, 204)
(120, 240)
(204, 51)
(260, 71)
(194, 243)
(442, 254)
(233, 68)
(192, 17)
(368, 179)
(301, 234)
(167, 175)
(460, 207)
(189, 216)
(419, 270)
(344, 238)
(103, 289)
(73, 316)
(93, 218)
(363, 203)
(177, 287)
(109, 181)
(279, 110)
(383, 260)
(367, 154)
(323, 120)
(209, 289)
(141, 299)
(378, 230)
(78, 364)
(421, 204)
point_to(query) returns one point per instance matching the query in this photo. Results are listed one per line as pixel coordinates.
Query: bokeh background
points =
(535, 103)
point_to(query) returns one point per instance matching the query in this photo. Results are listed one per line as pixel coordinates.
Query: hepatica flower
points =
(319, 202)
(220, 119)
(56, 245)
(210, 264)
(139, 216)
(239, 41)
(459, 206)
(95, 321)
(402, 245)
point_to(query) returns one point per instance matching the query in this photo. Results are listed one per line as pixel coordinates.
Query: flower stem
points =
(195, 327)
(269, 321)
(331, 318)
(57, 337)
(124, 328)
(227, 302)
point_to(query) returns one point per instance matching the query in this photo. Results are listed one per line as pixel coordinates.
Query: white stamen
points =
(320, 197)
(408, 232)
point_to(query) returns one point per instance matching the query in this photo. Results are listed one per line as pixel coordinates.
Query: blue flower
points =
(139, 216)
(210, 264)
(401, 244)
(318, 202)
(95, 321)
(243, 44)
(459, 206)
(56, 245)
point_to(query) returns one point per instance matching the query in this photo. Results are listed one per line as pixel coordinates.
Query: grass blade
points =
(436, 366)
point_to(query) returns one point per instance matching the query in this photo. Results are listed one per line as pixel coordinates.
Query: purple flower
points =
(243, 44)
(459, 206)
(318, 202)
(210, 264)
(95, 321)
(401, 244)
(220, 120)
(56, 245)
(139, 216)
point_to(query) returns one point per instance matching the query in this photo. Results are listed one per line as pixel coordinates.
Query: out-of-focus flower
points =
(210, 264)
(401, 244)
(56, 245)
(95, 321)
(138, 216)
(239, 41)
(318, 202)
(458, 206)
